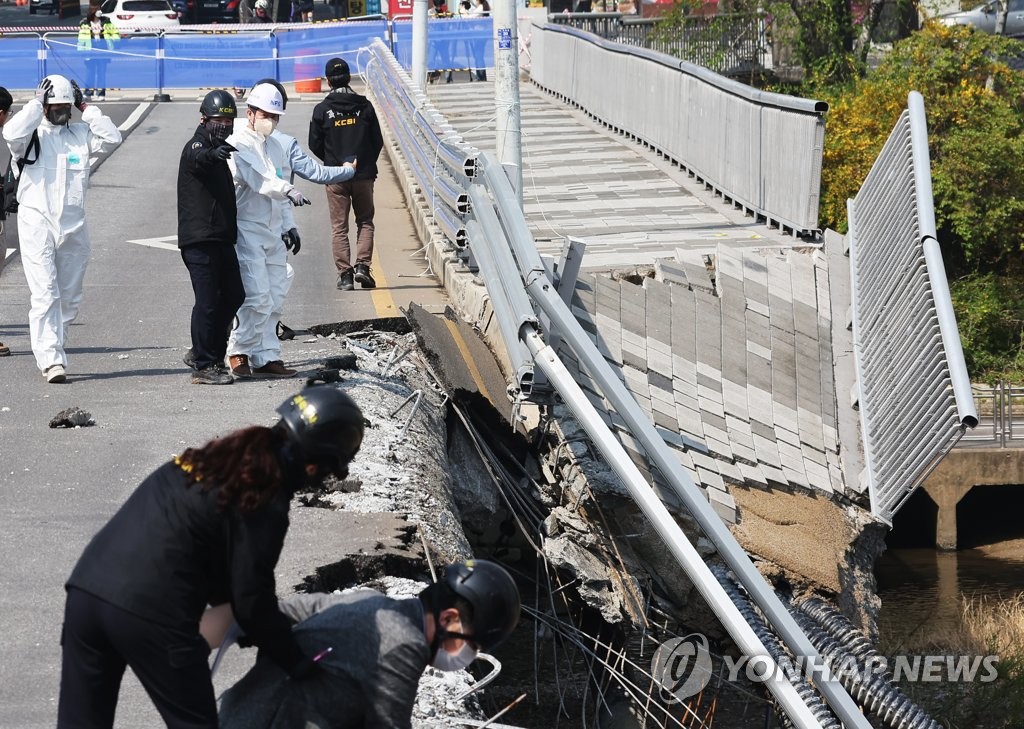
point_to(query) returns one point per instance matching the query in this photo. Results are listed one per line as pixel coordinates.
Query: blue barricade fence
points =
(234, 59)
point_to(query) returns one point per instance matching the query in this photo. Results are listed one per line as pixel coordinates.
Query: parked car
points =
(36, 6)
(984, 17)
(131, 16)
(210, 11)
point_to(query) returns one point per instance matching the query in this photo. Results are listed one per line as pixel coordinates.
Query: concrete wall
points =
(962, 470)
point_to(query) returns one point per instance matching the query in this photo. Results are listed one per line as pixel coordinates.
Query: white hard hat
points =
(267, 98)
(61, 93)
(262, 5)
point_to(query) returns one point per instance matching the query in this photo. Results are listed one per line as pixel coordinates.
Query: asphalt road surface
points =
(58, 486)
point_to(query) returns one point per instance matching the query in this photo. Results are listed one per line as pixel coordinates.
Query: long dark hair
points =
(243, 466)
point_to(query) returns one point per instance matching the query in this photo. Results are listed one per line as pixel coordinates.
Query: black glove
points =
(79, 99)
(292, 241)
(44, 91)
(220, 153)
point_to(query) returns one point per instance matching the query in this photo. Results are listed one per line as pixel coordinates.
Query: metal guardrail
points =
(498, 242)
(1000, 417)
(726, 43)
(758, 149)
(913, 389)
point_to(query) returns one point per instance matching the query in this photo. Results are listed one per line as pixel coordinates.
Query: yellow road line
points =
(468, 359)
(383, 303)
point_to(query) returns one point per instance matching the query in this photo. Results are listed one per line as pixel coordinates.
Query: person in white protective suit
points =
(254, 351)
(298, 163)
(51, 209)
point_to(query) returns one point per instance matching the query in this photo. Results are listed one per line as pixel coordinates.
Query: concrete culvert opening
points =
(914, 525)
(989, 514)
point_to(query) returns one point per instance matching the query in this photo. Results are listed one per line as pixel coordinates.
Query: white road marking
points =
(133, 117)
(167, 242)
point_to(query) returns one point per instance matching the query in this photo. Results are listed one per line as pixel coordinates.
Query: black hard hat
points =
(493, 596)
(324, 425)
(219, 104)
(280, 87)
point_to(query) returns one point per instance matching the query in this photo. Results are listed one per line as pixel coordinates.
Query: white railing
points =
(913, 389)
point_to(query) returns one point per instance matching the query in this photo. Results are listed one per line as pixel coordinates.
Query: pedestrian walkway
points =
(722, 327)
(580, 179)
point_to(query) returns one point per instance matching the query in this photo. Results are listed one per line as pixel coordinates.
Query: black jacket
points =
(206, 196)
(169, 551)
(344, 125)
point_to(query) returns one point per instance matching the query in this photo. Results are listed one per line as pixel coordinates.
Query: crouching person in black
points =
(207, 231)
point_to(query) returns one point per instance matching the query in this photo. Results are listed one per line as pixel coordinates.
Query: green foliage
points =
(990, 315)
(976, 143)
(976, 139)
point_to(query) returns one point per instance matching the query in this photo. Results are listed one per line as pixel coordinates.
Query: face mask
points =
(58, 116)
(445, 661)
(264, 127)
(219, 132)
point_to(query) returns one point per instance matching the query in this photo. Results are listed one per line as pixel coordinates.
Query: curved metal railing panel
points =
(913, 388)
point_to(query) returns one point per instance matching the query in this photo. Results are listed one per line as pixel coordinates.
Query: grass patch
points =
(986, 626)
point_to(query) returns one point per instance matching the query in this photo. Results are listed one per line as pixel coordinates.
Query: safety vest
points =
(107, 29)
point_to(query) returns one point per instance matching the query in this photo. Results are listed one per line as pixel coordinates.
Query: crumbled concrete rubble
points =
(392, 468)
(73, 417)
(828, 550)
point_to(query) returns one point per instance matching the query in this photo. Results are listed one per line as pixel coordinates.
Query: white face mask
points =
(445, 661)
(264, 127)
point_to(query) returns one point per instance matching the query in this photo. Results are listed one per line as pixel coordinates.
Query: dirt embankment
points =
(814, 545)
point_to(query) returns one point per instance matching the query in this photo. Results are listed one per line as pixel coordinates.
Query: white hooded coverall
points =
(264, 213)
(51, 219)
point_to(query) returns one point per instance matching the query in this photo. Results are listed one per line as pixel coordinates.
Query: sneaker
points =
(240, 366)
(363, 276)
(189, 359)
(55, 374)
(212, 375)
(345, 281)
(273, 369)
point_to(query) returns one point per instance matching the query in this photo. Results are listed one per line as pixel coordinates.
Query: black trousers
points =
(217, 285)
(99, 640)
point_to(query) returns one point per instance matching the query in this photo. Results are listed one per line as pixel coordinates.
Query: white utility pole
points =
(506, 92)
(419, 43)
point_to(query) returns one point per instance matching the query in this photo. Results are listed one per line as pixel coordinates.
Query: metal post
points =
(419, 43)
(506, 93)
(160, 95)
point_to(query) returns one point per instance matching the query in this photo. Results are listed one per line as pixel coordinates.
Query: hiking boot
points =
(212, 375)
(190, 358)
(345, 281)
(363, 276)
(273, 369)
(55, 374)
(240, 366)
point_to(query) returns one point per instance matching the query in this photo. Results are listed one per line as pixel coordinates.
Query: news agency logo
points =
(682, 666)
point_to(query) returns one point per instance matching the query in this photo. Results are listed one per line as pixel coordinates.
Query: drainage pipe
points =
(775, 648)
(880, 694)
(671, 533)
